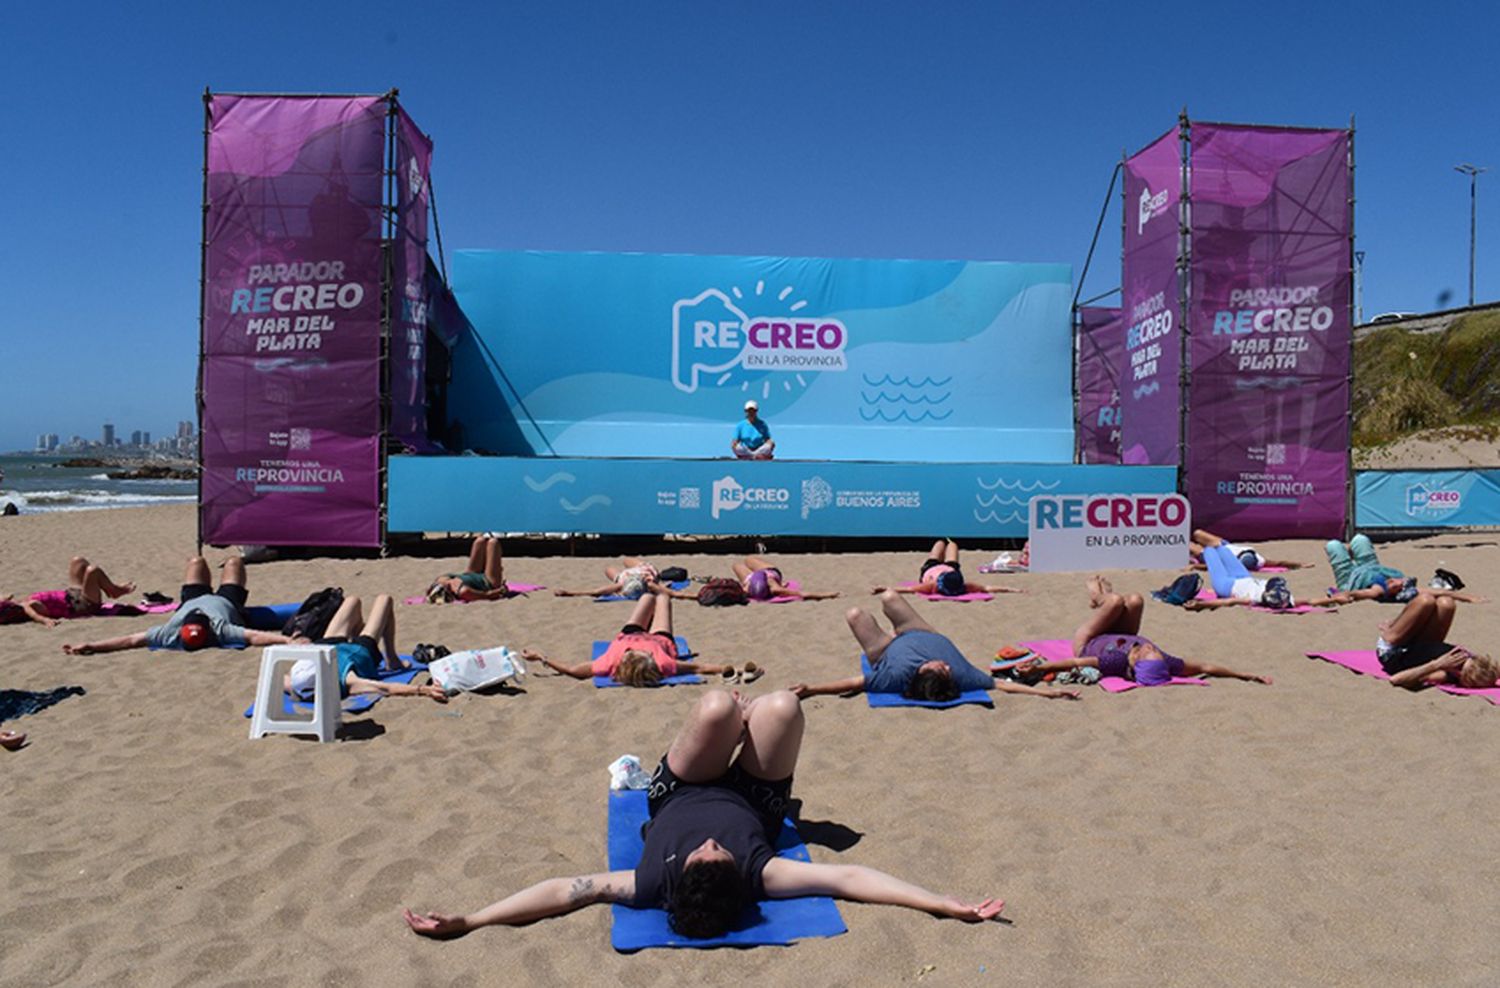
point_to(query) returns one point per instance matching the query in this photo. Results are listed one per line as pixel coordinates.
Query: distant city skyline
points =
(180, 441)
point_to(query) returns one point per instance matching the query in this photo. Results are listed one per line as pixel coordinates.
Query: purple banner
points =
(291, 324)
(409, 301)
(1268, 423)
(1101, 354)
(1150, 423)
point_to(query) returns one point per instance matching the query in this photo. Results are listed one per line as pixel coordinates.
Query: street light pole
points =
(1473, 174)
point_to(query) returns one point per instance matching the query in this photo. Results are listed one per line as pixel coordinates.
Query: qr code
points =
(1275, 453)
(688, 497)
(301, 439)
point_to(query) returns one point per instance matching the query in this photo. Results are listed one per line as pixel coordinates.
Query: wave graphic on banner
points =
(905, 382)
(593, 500)
(893, 399)
(1020, 485)
(903, 416)
(1146, 389)
(990, 516)
(990, 502)
(542, 486)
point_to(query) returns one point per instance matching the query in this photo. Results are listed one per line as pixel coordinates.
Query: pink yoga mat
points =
(1056, 649)
(790, 585)
(1363, 661)
(961, 598)
(515, 588)
(111, 608)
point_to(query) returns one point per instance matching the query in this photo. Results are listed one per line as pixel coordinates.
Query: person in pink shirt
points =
(87, 586)
(644, 652)
(940, 574)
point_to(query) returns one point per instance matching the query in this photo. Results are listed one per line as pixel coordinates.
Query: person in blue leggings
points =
(1232, 582)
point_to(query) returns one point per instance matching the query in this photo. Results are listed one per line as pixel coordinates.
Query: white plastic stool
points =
(327, 713)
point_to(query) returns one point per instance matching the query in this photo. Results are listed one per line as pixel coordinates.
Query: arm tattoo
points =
(582, 891)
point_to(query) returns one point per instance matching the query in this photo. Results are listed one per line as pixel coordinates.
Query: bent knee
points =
(889, 596)
(852, 615)
(782, 704)
(1134, 600)
(718, 706)
(197, 561)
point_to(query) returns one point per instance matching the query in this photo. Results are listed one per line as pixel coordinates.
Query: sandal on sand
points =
(752, 673)
(11, 740)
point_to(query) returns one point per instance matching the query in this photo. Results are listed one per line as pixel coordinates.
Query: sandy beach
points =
(1327, 829)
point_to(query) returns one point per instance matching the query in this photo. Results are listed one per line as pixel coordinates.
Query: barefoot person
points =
(87, 587)
(483, 580)
(206, 618)
(630, 580)
(913, 660)
(644, 652)
(1110, 641)
(1412, 649)
(1248, 557)
(709, 848)
(363, 645)
(940, 574)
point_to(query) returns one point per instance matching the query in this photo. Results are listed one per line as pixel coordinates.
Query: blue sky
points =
(931, 130)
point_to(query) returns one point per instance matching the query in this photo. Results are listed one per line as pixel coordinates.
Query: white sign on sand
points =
(1085, 532)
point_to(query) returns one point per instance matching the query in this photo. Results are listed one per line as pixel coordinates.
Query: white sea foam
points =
(85, 500)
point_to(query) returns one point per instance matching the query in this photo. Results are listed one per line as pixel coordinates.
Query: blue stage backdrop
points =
(583, 355)
(725, 497)
(1427, 499)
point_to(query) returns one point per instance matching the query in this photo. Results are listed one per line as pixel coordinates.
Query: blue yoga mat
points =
(679, 585)
(901, 700)
(356, 704)
(604, 682)
(771, 921)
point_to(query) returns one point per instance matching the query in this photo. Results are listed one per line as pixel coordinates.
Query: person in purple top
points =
(1110, 641)
(716, 803)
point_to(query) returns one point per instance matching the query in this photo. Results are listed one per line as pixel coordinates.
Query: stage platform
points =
(617, 496)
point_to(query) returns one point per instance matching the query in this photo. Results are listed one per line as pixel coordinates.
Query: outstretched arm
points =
(784, 878)
(1006, 686)
(988, 588)
(603, 591)
(1223, 672)
(120, 644)
(1199, 604)
(919, 588)
(838, 687)
(263, 638)
(34, 612)
(1037, 668)
(704, 668)
(654, 587)
(553, 897)
(583, 670)
(358, 684)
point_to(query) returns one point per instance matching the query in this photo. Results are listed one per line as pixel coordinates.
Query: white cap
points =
(751, 404)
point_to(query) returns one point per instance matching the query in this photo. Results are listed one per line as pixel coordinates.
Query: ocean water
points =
(36, 482)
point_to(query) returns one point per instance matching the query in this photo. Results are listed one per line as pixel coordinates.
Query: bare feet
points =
(1099, 588)
(12, 740)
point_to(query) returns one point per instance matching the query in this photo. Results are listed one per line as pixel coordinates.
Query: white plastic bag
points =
(626, 772)
(474, 670)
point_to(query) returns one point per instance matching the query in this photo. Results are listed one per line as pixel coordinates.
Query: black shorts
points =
(929, 563)
(768, 799)
(1400, 658)
(635, 629)
(364, 641)
(232, 592)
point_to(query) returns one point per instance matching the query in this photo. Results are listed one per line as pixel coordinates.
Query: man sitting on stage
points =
(752, 437)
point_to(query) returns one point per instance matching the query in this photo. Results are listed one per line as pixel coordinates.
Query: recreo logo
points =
(1149, 207)
(730, 495)
(713, 335)
(1117, 511)
(1424, 501)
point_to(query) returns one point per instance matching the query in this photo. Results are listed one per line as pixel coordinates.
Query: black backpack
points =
(1182, 590)
(672, 574)
(722, 591)
(312, 618)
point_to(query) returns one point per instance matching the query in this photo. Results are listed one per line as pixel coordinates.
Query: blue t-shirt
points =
(899, 662)
(752, 435)
(355, 658)
(223, 618)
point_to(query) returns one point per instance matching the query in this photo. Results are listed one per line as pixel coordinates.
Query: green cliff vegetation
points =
(1407, 382)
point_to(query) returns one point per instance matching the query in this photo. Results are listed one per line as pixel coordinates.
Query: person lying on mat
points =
(483, 580)
(940, 574)
(205, 618)
(752, 437)
(1232, 582)
(1412, 649)
(643, 653)
(1251, 559)
(87, 587)
(761, 581)
(710, 845)
(362, 646)
(1357, 571)
(631, 580)
(913, 660)
(1110, 641)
